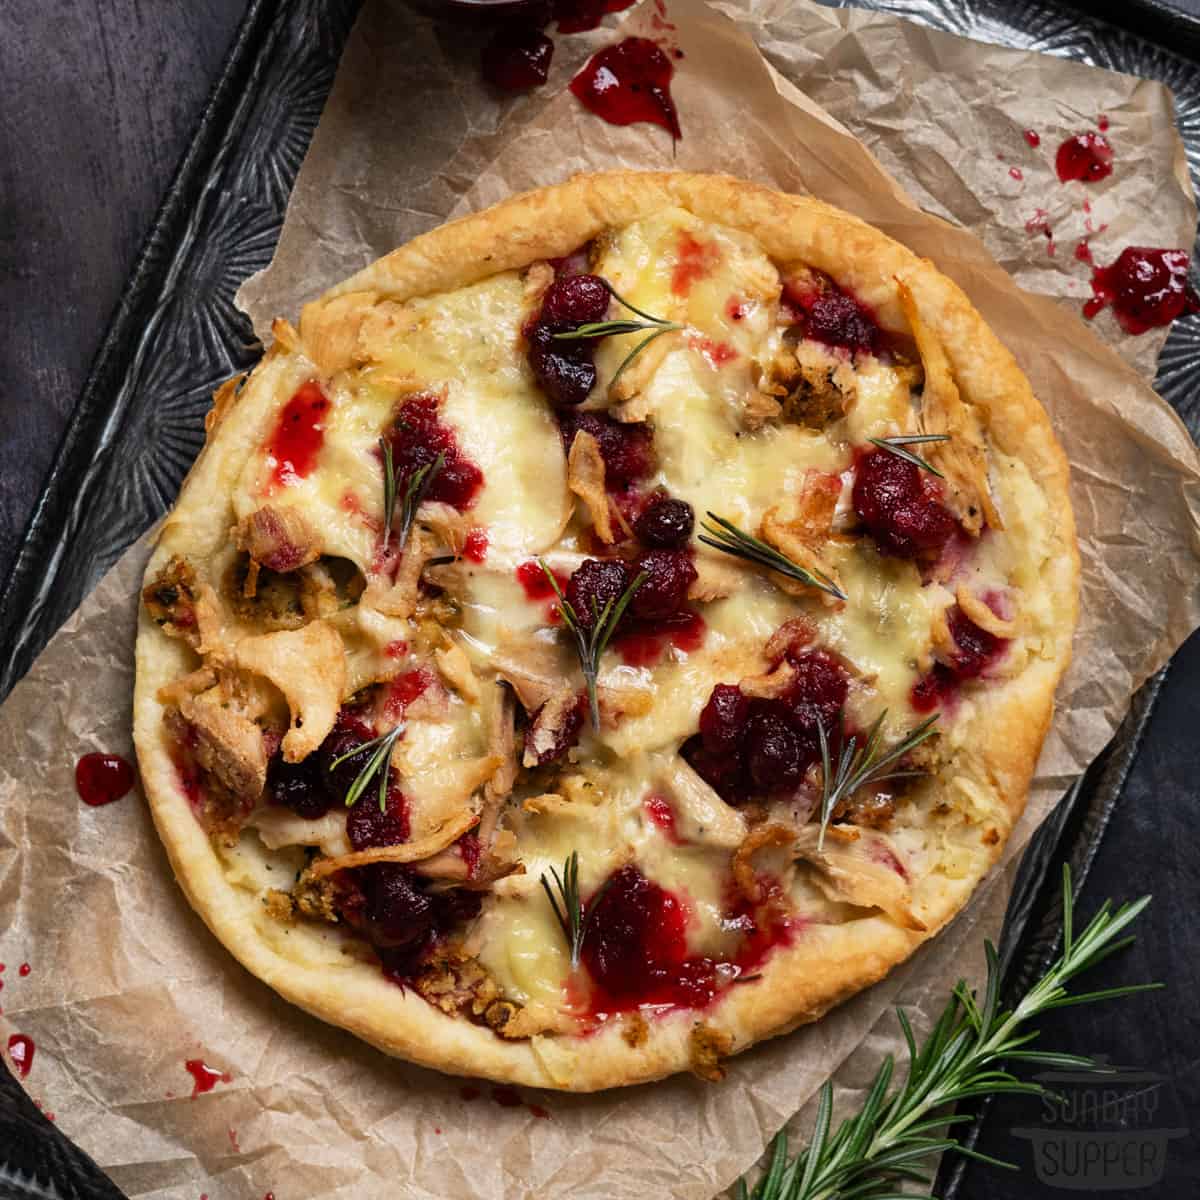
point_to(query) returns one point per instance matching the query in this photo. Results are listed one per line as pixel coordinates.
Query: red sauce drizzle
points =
(475, 547)
(717, 353)
(629, 82)
(1146, 288)
(299, 435)
(1033, 138)
(659, 810)
(102, 778)
(636, 951)
(20, 1051)
(1086, 157)
(645, 641)
(204, 1077)
(695, 259)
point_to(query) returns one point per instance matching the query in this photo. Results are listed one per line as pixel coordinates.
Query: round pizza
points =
(608, 631)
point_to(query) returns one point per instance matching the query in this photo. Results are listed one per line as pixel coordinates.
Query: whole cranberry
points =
(574, 300)
(564, 370)
(665, 523)
(367, 825)
(594, 583)
(669, 574)
(297, 786)
(775, 755)
(337, 780)
(398, 914)
(818, 693)
(723, 719)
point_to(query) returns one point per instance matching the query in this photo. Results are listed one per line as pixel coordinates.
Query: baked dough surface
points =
(444, 315)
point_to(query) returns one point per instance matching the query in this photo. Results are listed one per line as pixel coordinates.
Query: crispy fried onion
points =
(978, 612)
(309, 667)
(802, 536)
(866, 870)
(962, 459)
(585, 477)
(762, 837)
(456, 669)
(406, 852)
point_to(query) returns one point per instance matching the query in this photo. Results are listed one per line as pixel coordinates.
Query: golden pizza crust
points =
(322, 970)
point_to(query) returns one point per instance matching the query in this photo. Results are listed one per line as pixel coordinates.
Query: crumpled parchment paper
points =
(125, 982)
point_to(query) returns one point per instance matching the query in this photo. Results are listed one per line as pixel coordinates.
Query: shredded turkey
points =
(761, 837)
(456, 669)
(278, 537)
(227, 745)
(759, 409)
(309, 667)
(714, 579)
(399, 597)
(533, 669)
(803, 535)
(962, 458)
(700, 814)
(866, 870)
(544, 735)
(585, 477)
(405, 852)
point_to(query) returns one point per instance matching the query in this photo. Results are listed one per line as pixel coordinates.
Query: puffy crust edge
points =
(827, 964)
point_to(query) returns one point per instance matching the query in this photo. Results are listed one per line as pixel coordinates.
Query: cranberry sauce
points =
(750, 746)
(694, 260)
(629, 82)
(626, 448)
(102, 778)
(475, 547)
(417, 437)
(832, 316)
(534, 583)
(901, 506)
(975, 651)
(658, 809)
(636, 950)
(566, 370)
(665, 523)
(644, 642)
(578, 16)
(204, 1077)
(299, 434)
(20, 1052)
(517, 60)
(1086, 157)
(1033, 138)
(1146, 288)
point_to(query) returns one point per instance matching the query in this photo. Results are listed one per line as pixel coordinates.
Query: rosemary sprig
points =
(727, 537)
(895, 445)
(591, 642)
(600, 329)
(377, 763)
(882, 1146)
(858, 765)
(572, 914)
(416, 487)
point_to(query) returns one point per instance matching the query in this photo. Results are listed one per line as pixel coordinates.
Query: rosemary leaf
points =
(896, 446)
(572, 914)
(378, 763)
(725, 536)
(416, 487)
(878, 1149)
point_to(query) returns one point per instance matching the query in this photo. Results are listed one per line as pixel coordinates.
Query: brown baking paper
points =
(125, 982)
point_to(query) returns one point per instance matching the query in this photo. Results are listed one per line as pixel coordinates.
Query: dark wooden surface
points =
(97, 102)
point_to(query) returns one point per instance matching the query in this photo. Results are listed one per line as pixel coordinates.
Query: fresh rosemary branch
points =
(727, 537)
(887, 1142)
(600, 329)
(572, 914)
(896, 446)
(591, 641)
(858, 765)
(377, 763)
(416, 487)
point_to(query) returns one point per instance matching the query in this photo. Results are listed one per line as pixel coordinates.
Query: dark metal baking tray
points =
(176, 335)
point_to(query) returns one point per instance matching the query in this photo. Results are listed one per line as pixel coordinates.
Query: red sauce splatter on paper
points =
(627, 83)
(299, 435)
(24, 970)
(1033, 138)
(1146, 287)
(1083, 252)
(1102, 123)
(516, 60)
(1086, 157)
(102, 778)
(204, 1077)
(1016, 173)
(20, 1051)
